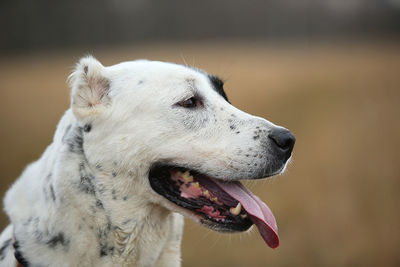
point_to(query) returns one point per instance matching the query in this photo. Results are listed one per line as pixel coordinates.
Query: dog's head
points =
(173, 128)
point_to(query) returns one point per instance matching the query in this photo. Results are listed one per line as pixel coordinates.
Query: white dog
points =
(142, 143)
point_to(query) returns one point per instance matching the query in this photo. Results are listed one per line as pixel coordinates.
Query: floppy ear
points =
(89, 88)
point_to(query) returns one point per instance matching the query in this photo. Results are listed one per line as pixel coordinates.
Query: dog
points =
(143, 143)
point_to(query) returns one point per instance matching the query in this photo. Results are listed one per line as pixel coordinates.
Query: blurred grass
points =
(337, 205)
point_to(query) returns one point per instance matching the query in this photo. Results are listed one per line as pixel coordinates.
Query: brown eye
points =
(189, 103)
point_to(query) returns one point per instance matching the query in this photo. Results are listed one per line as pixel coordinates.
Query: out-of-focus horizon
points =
(329, 70)
(30, 25)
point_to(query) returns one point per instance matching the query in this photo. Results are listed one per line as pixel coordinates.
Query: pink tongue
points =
(259, 212)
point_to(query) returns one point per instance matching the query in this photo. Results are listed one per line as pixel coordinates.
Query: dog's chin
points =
(282, 169)
(194, 195)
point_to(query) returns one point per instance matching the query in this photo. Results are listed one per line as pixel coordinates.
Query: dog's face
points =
(176, 124)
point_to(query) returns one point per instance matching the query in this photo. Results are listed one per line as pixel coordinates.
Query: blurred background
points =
(329, 70)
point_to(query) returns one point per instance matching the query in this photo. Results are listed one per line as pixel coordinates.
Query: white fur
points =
(92, 205)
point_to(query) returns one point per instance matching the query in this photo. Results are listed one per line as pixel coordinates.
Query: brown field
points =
(338, 203)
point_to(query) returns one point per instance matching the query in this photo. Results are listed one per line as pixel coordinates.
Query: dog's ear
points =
(89, 88)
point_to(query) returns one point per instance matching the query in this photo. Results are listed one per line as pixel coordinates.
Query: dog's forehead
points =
(142, 71)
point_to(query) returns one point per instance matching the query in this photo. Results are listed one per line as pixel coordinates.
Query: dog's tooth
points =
(180, 174)
(187, 177)
(196, 184)
(206, 194)
(236, 210)
(243, 216)
(215, 199)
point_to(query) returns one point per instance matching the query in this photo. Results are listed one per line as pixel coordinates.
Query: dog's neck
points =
(95, 210)
(118, 211)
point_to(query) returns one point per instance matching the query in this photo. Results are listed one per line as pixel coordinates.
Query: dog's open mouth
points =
(225, 206)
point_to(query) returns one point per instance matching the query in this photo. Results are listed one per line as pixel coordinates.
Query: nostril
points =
(283, 138)
(287, 142)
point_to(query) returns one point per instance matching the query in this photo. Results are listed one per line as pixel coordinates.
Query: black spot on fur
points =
(218, 85)
(233, 127)
(114, 174)
(87, 127)
(256, 137)
(85, 69)
(99, 204)
(86, 181)
(103, 251)
(58, 239)
(18, 255)
(74, 139)
(125, 198)
(52, 193)
(101, 189)
(103, 234)
(238, 132)
(3, 248)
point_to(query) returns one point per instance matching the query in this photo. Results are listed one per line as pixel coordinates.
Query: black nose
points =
(283, 139)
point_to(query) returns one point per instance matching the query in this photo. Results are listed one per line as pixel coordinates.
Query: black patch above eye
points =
(218, 85)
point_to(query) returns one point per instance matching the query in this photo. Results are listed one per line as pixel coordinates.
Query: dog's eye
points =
(189, 103)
